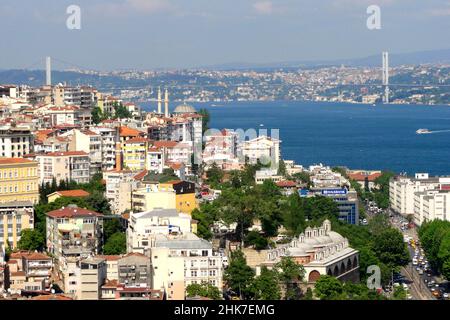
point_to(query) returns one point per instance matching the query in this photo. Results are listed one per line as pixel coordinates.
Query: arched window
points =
(355, 262)
(336, 271)
(313, 276)
(349, 265)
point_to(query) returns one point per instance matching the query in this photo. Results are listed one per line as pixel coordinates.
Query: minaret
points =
(166, 103)
(159, 100)
(48, 71)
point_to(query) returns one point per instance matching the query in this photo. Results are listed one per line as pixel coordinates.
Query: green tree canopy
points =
(238, 274)
(265, 286)
(32, 240)
(116, 244)
(328, 288)
(205, 290)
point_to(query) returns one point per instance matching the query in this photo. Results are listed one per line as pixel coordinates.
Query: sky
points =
(149, 34)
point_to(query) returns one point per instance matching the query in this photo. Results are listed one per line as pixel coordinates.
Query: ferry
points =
(423, 131)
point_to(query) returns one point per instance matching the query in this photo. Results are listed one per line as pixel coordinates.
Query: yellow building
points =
(19, 180)
(19, 191)
(185, 200)
(135, 153)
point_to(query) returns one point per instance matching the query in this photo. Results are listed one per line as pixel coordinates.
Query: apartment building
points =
(71, 165)
(119, 187)
(93, 276)
(89, 142)
(263, 149)
(135, 270)
(135, 153)
(185, 200)
(431, 204)
(73, 231)
(108, 143)
(15, 141)
(153, 196)
(66, 115)
(15, 217)
(171, 254)
(402, 189)
(143, 226)
(19, 180)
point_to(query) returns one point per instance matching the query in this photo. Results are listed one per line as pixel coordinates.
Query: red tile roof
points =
(70, 212)
(64, 154)
(129, 132)
(14, 160)
(286, 184)
(165, 143)
(51, 297)
(362, 177)
(73, 193)
(137, 140)
(36, 256)
(140, 175)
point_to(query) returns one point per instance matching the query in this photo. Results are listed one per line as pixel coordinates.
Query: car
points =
(429, 274)
(418, 269)
(445, 295)
(409, 297)
(421, 272)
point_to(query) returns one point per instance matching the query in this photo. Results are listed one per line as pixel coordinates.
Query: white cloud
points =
(263, 7)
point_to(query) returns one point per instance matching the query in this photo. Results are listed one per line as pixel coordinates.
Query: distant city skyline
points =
(151, 34)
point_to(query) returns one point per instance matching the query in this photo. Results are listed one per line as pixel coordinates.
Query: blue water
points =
(356, 136)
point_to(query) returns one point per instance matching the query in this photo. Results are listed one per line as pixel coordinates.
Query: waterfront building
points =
(365, 178)
(402, 189)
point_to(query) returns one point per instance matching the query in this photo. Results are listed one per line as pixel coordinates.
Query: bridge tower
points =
(386, 77)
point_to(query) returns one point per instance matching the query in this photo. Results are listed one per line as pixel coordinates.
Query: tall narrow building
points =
(166, 103)
(159, 100)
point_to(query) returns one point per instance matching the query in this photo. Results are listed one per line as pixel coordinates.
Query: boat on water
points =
(261, 125)
(423, 131)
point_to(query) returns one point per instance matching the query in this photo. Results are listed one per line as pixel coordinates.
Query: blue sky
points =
(145, 34)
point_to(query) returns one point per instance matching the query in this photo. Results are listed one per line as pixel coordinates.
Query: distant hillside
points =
(37, 78)
(420, 57)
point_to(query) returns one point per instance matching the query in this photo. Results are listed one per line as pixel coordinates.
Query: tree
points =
(214, 174)
(308, 295)
(303, 177)
(265, 286)
(328, 288)
(390, 248)
(32, 240)
(293, 214)
(379, 223)
(110, 227)
(205, 290)
(97, 115)
(290, 273)
(399, 293)
(120, 111)
(255, 239)
(281, 168)
(239, 275)
(116, 244)
(205, 119)
(446, 269)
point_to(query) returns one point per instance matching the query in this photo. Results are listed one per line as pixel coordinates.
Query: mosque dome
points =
(184, 108)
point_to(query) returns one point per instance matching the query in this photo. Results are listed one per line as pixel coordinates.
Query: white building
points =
(262, 148)
(15, 141)
(402, 189)
(143, 226)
